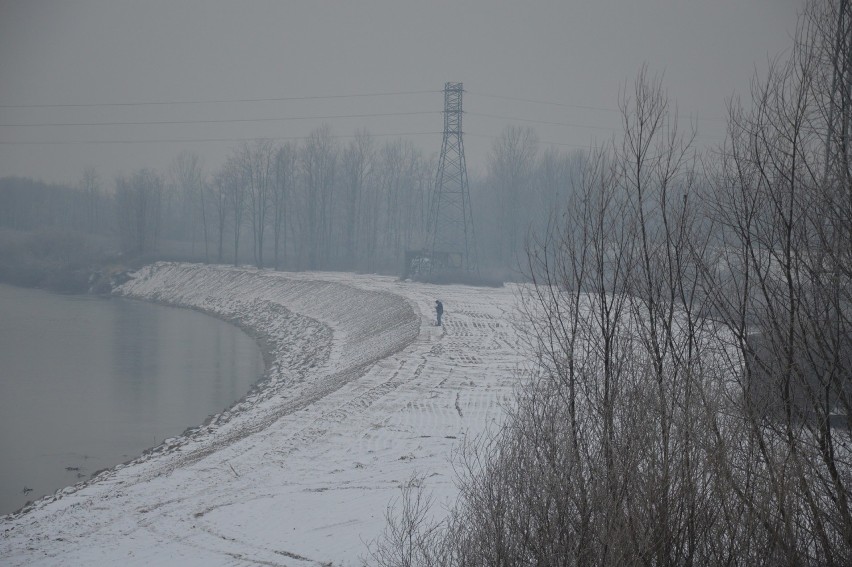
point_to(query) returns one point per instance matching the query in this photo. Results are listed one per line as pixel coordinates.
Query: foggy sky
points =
(116, 54)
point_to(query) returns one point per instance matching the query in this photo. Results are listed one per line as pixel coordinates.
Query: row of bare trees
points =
(324, 205)
(521, 185)
(360, 205)
(356, 205)
(320, 203)
(316, 205)
(691, 402)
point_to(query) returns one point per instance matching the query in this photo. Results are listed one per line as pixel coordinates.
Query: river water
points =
(87, 383)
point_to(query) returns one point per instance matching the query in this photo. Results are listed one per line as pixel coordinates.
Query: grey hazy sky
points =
(113, 54)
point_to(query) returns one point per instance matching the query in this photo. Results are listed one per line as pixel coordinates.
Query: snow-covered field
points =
(363, 391)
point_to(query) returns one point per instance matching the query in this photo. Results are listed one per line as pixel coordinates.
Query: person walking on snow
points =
(439, 309)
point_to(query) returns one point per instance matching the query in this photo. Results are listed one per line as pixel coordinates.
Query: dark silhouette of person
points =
(439, 309)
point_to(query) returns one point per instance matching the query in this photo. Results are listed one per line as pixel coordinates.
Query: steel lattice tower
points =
(452, 243)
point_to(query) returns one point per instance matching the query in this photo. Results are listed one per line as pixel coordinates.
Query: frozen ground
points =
(363, 391)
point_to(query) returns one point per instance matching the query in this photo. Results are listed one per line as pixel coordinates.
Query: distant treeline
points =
(27, 205)
(319, 204)
(51, 236)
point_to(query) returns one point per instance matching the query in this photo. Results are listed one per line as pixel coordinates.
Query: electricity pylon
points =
(452, 242)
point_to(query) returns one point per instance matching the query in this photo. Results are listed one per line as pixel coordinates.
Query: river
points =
(87, 383)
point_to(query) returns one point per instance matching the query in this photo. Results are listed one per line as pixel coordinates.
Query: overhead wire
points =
(545, 102)
(202, 140)
(541, 142)
(223, 120)
(568, 105)
(218, 101)
(290, 118)
(547, 122)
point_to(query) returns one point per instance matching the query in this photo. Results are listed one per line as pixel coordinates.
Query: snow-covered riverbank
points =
(362, 391)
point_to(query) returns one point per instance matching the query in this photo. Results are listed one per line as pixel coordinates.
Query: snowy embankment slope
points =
(362, 392)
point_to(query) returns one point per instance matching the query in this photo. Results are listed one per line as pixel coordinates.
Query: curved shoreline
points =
(301, 353)
(337, 337)
(311, 486)
(93, 458)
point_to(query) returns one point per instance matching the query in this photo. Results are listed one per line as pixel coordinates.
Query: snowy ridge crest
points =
(316, 335)
(367, 324)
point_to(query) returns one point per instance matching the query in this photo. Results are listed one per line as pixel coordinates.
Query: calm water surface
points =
(87, 383)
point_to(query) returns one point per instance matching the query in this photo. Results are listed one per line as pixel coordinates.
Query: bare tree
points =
(319, 157)
(784, 289)
(139, 208)
(356, 169)
(511, 163)
(283, 190)
(219, 195)
(553, 180)
(411, 538)
(188, 173)
(257, 168)
(230, 181)
(91, 186)
(399, 183)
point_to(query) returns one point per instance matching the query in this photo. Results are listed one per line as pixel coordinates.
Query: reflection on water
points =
(87, 383)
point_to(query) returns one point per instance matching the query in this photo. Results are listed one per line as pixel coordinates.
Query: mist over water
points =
(87, 383)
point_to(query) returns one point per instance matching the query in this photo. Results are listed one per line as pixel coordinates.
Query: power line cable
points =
(545, 102)
(567, 124)
(287, 118)
(222, 121)
(544, 143)
(568, 144)
(203, 140)
(548, 122)
(216, 101)
(567, 105)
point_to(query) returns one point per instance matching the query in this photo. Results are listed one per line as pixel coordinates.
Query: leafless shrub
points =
(411, 536)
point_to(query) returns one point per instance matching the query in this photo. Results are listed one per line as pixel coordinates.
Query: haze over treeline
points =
(321, 203)
(106, 98)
